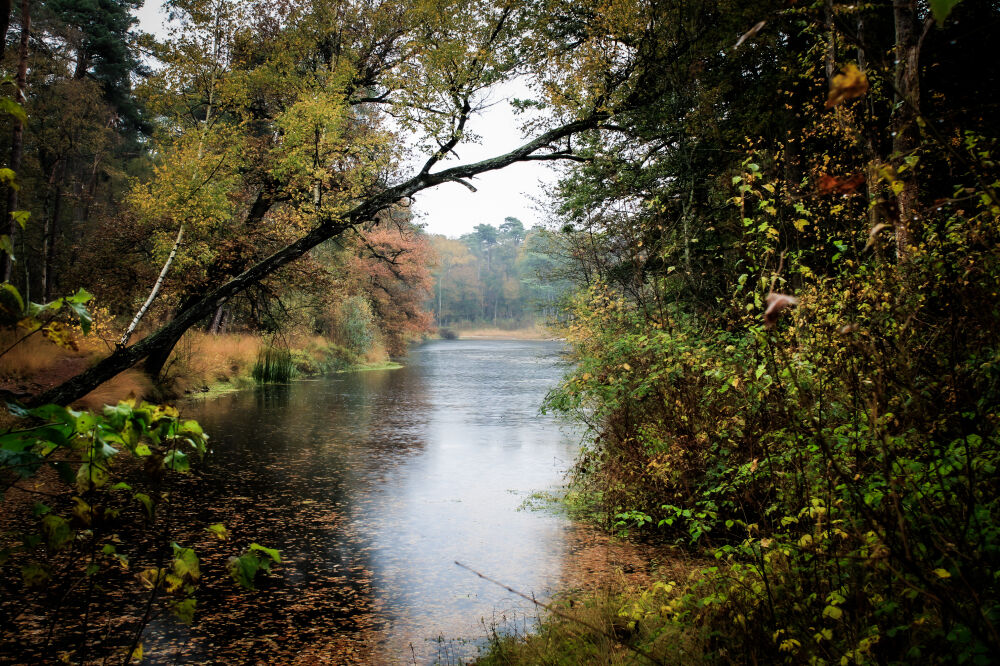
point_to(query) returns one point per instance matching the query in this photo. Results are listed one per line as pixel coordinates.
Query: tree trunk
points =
(50, 227)
(217, 320)
(156, 289)
(17, 137)
(5, 7)
(906, 137)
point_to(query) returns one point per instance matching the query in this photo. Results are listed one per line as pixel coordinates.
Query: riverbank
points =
(203, 365)
(495, 333)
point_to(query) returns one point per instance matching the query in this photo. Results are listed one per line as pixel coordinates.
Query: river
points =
(372, 484)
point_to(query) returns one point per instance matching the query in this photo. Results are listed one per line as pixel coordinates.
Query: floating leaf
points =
(12, 108)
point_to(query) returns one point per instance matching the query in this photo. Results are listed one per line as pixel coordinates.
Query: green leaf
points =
(10, 289)
(244, 569)
(57, 531)
(81, 296)
(21, 217)
(8, 177)
(7, 246)
(183, 610)
(942, 9)
(270, 552)
(190, 427)
(833, 612)
(219, 530)
(146, 502)
(12, 108)
(185, 563)
(90, 476)
(177, 461)
(83, 316)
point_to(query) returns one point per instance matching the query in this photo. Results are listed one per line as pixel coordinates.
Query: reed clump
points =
(274, 365)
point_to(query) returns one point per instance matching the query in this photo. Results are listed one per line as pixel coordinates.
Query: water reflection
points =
(372, 484)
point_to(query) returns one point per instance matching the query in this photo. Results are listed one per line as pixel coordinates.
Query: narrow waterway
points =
(372, 484)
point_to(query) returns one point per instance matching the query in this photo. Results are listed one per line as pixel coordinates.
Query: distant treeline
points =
(502, 275)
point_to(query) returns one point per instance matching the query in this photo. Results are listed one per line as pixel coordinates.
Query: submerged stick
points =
(637, 650)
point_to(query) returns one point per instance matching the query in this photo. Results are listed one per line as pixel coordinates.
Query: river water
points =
(372, 484)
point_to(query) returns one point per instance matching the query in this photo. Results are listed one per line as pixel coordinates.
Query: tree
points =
(310, 149)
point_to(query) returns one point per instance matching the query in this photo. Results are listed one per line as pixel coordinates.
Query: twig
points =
(639, 651)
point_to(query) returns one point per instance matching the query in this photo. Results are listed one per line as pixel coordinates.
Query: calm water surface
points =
(372, 484)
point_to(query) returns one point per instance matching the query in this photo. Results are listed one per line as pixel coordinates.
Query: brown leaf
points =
(828, 184)
(849, 84)
(775, 304)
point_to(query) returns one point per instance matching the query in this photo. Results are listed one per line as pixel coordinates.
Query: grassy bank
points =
(202, 364)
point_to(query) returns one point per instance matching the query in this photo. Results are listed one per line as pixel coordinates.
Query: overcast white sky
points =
(451, 209)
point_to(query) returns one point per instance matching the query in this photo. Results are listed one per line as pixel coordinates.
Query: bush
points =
(841, 468)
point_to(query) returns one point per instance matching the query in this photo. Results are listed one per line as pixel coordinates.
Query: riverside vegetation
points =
(786, 347)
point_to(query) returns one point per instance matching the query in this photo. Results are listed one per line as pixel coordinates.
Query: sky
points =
(452, 209)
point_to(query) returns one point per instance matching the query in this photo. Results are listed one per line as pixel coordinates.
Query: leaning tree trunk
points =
(906, 138)
(156, 290)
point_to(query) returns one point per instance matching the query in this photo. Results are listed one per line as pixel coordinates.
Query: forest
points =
(772, 253)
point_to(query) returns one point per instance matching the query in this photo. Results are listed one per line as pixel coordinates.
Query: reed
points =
(274, 365)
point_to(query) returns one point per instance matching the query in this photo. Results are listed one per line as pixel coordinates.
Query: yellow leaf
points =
(833, 612)
(942, 573)
(849, 84)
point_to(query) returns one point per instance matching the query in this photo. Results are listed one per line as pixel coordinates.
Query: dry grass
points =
(201, 359)
(31, 357)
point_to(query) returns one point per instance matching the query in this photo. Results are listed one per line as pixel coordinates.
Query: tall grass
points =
(202, 359)
(274, 365)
